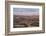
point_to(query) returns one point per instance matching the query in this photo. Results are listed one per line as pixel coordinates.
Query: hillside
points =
(26, 21)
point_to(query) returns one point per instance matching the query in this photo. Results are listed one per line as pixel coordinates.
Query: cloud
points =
(25, 10)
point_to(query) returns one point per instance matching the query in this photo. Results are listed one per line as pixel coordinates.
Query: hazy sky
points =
(25, 11)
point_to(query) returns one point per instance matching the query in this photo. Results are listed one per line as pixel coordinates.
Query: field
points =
(20, 21)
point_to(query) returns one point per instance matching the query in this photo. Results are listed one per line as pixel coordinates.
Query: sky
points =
(25, 11)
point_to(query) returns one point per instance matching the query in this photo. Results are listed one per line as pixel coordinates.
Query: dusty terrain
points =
(26, 21)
